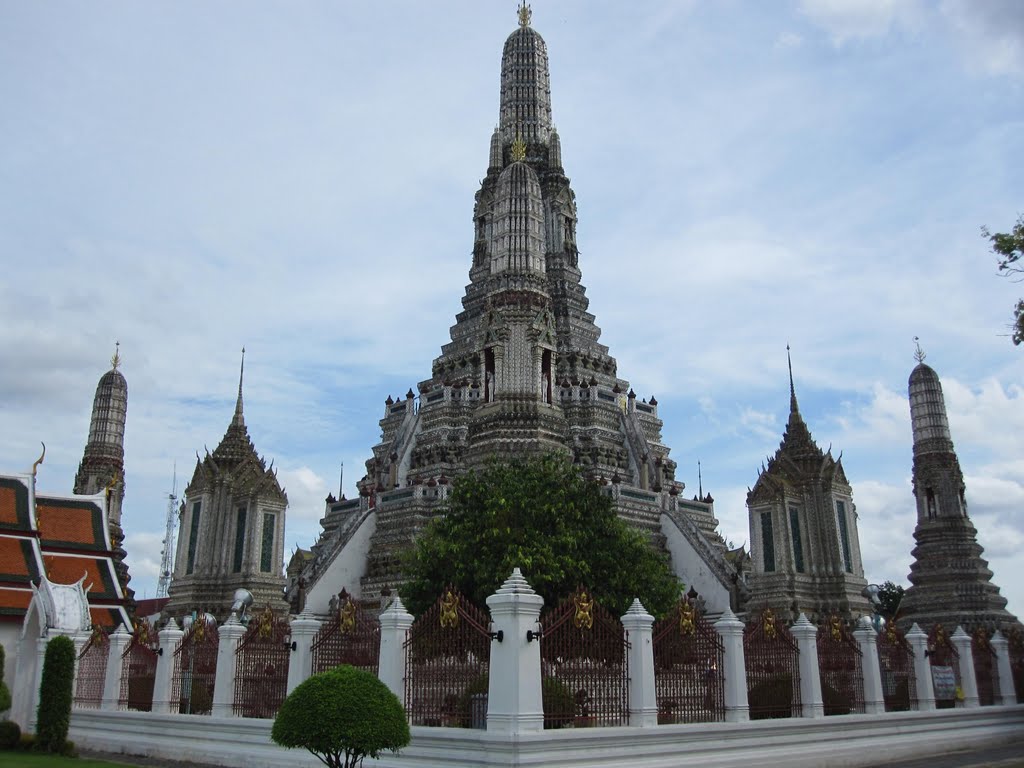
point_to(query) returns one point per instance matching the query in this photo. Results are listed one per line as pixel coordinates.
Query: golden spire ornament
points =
(525, 14)
(115, 361)
(518, 150)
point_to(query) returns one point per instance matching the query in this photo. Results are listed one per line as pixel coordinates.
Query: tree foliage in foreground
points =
(5, 692)
(1009, 248)
(889, 598)
(341, 716)
(540, 515)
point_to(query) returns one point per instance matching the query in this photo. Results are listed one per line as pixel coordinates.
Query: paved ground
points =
(1005, 756)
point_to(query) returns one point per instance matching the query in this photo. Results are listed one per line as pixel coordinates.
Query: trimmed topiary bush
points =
(341, 716)
(10, 734)
(55, 691)
(5, 692)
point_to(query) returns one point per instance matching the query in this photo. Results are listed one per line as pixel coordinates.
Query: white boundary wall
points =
(843, 741)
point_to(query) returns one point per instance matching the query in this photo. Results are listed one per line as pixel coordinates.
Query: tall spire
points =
(919, 354)
(793, 407)
(239, 421)
(525, 14)
(525, 84)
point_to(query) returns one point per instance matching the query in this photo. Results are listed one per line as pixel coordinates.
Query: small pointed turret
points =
(239, 419)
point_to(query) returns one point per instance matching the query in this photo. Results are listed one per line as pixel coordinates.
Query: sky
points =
(297, 178)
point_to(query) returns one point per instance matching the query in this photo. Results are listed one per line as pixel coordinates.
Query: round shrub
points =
(10, 734)
(341, 716)
(55, 691)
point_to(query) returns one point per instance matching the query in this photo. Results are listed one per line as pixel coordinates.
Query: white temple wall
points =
(345, 570)
(691, 568)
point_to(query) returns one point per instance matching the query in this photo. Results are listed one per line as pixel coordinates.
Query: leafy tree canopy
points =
(341, 716)
(889, 597)
(538, 514)
(1008, 248)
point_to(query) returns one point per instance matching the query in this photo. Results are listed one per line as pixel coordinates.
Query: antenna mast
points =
(167, 554)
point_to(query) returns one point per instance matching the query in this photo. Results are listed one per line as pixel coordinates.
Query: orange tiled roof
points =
(68, 569)
(14, 602)
(107, 618)
(68, 523)
(17, 560)
(14, 512)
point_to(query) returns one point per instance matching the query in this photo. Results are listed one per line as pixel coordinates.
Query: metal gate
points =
(351, 636)
(773, 668)
(841, 669)
(584, 664)
(261, 665)
(689, 679)
(945, 664)
(447, 655)
(92, 670)
(195, 668)
(986, 668)
(896, 663)
(138, 668)
(1017, 662)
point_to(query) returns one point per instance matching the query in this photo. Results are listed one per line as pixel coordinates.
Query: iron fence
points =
(689, 680)
(195, 668)
(841, 669)
(584, 665)
(447, 660)
(896, 664)
(773, 668)
(986, 668)
(1016, 639)
(945, 667)
(92, 670)
(351, 636)
(261, 665)
(138, 668)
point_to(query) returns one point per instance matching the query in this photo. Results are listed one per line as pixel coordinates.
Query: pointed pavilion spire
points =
(793, 407)
(239, 420)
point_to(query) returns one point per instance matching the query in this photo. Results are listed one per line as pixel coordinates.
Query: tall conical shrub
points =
(55, 691)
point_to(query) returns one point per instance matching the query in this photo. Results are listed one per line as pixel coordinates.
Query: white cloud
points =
(848, 20)
(990, 33)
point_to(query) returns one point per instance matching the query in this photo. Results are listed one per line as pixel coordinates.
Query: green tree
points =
(341, 716)
(1008, 248)
(5, 692)
(889, 597)
(54, 714)
(541, 515)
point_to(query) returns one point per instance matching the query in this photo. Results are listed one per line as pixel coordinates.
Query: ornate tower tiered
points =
(102, 465)
(232, 528)
(950, 582)
(804, 545)
(524, 371)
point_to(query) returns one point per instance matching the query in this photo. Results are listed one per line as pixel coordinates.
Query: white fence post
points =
(806, 635)
(170, 639)
(643, 701)
(81, 640)
(968, 682)
(922, 669)
(300, 662)
(394, 627)
(1007, 691)
(730, 629)
(230, 633)
(112, 680)
(514, 701)
(867, 641)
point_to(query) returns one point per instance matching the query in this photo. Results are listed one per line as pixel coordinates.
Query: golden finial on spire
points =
(919, 354)
(115, 361)
(525, 14)
(518, 148)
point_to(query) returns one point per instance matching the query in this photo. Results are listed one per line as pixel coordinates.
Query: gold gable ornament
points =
(449, 610)
(584, 618)
(347, 617)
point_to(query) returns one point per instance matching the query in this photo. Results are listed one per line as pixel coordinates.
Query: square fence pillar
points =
(730, 629)
(300, 662)
(514, 701)
(922, 669)
(867, 641)
(394, 628)
(643, 700)
(1007, 690)
(170, 639)
(230, 632)
(968, 682)
(806, 635)
(112, 680)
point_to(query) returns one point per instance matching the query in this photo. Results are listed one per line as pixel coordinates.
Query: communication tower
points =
(167, 554)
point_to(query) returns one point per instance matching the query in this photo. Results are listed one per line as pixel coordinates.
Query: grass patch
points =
(17, 759)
